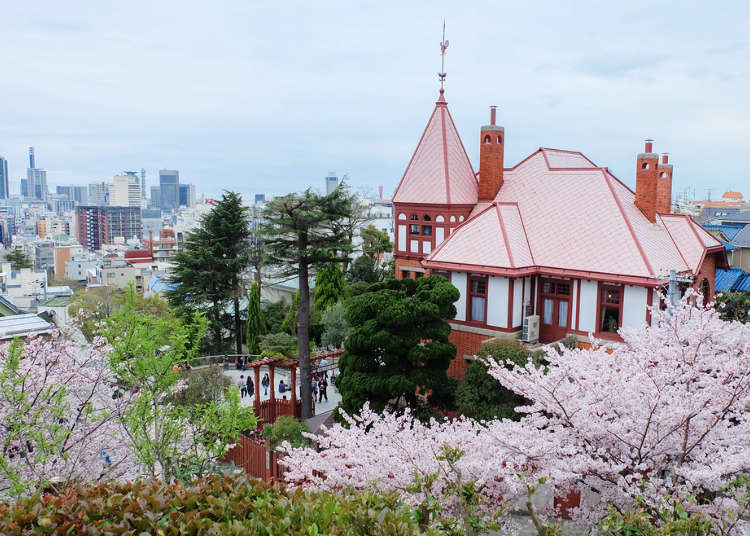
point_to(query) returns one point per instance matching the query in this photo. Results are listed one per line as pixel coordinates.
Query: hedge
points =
(213, 505)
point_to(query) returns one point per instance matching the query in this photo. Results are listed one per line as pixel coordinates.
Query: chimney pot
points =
(665, 158)
(649, 146)
(493, 116)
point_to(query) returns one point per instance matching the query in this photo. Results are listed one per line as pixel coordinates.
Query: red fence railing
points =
(256, 459)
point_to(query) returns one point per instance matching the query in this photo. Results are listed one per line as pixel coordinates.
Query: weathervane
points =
(443, 45)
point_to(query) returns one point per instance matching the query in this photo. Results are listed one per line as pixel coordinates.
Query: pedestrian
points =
(243, 387)
(250, 386)
(315, 386)
(323, 388)
(282, 387)
(265, 382)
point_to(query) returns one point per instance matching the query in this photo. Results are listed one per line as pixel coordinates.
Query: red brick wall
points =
(413, 263)
(645, 186)
(491, 161)
(466, 344)
(664, 190)
(707, 271)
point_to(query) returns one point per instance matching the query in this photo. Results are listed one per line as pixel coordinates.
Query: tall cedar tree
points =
(330, 286)
(207, 271)
(256, 324)
(398, 343)
(302, 231)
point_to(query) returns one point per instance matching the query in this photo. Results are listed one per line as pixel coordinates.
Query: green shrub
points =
(479, 395)
(670, 521)
(281, 342)
(286, 428)
(203, 386)
(214, 505)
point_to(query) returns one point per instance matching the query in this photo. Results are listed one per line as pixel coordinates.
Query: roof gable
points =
(439, 171)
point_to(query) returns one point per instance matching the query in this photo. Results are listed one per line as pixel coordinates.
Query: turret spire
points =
(443, 46)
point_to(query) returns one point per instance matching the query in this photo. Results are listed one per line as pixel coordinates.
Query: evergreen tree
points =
(207, 270)
(18, 259)
(301, 231)
(289, 324)
(329, 286)
(398, 343)
(256, 324)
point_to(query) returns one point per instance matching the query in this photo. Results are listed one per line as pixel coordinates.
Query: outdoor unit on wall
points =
(530, 329)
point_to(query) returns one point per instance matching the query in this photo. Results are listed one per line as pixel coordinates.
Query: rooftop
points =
(23, 326)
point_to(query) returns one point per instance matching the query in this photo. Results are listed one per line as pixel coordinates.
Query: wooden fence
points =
(256, 459)
(269, 410)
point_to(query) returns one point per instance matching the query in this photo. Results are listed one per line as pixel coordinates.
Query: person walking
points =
(265, 382)
(242, 385)
(323, 389)
(315, 386)
(282, 387)
(250, 386)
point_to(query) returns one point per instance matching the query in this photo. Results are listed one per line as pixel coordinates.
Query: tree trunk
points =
(218, 343)
(237, 323)
(303, 340)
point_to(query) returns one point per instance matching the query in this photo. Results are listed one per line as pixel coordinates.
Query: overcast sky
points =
(269, 98)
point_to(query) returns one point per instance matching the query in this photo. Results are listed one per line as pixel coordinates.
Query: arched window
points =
(644, 165)
(414, 217)
(460, 218)
(499, 139)
(427, 217)
(663, 175)
(487, 138)
(453, 218)
(402, 216)
(440, 219)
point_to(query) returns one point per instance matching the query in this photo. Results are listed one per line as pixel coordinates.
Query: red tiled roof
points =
(439, 170)
(732, 195)
(560, 211)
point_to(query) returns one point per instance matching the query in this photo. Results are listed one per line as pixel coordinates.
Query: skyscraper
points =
(24, 187)
(187, 195)
(101, 225)
(126, 191)
(169, 180)
(332, 182)
(98, 193)
(4, 192)
(155, 197)
(37, 179)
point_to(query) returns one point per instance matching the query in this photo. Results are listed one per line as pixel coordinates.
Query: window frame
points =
(470, 294)
(601, 303)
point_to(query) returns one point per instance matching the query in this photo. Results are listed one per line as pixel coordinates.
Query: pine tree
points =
(207, 272)
(256, 324)
(289, 324)
(18, 259)
(304, 230)
(329, 286)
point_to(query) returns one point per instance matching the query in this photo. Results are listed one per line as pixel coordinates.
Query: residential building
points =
(81, 269)
(555, 240)
(44, 255)
(163, 248)
(169, 197)
(4, 188)
(125, 191)
(100, 225)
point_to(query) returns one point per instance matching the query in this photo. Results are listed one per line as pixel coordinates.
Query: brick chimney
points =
(664, 186)
(646, 181)
(491, 151)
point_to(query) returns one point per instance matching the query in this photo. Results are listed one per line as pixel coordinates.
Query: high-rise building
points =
(126, 190)
(24, 187)
(187, 195)
(98, 193)
(66, 191)
(99, 225)
(81, 194)
(37, 179)
(4, 191)
(332, 182)
(260, 198)
(155, 197)
(169, 181)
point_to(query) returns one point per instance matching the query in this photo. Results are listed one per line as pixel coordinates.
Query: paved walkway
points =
(283, 374)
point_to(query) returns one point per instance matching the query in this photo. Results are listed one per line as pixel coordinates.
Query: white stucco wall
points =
(497, 301)
(587, 316)
(634, 306)
(517, 302)
(459, 281)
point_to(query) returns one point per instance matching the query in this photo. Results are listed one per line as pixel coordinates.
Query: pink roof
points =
(560, 211)
(439, 171)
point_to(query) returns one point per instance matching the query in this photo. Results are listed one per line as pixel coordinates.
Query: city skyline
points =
(349, 87)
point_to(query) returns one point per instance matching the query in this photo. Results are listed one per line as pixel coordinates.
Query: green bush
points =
(479, 395)
(281, 342)
(203, 386)
(670, 521)
(286, 428)
(214, 505)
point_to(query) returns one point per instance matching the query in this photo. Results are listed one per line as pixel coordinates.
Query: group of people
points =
(319, 386)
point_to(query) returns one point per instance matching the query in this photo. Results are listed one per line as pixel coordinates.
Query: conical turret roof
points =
(439, 171)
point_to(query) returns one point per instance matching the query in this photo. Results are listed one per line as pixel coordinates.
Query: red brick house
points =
(555, 236)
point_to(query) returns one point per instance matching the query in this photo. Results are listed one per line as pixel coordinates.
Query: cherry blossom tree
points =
(661, 417)
(58, 407)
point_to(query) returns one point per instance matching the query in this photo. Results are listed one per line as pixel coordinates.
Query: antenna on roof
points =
(443, 45)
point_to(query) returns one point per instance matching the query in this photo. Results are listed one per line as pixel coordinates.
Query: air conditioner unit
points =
(530, 329)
